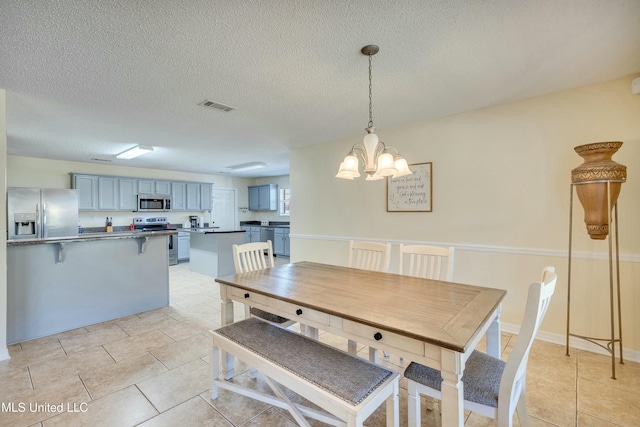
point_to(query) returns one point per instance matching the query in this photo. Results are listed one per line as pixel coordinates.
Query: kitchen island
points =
(67, 283)
(210, 250)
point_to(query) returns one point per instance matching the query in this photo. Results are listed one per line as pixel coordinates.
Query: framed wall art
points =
(411, 193)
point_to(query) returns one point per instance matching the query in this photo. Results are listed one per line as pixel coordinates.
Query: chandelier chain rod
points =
(370, 96)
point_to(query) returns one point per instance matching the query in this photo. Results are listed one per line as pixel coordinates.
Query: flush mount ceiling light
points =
(136, 151)
(379, 160)
(248, 166)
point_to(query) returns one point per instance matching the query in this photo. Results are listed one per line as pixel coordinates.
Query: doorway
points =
(225, 213)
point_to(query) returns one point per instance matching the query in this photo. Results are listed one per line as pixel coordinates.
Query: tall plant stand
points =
(614, 291)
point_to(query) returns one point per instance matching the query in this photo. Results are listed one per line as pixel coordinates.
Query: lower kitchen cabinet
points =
(281, 242)
(184, 238)
(255, 234)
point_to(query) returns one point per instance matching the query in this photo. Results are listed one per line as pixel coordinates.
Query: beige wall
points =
(501, 186)
(3, 228)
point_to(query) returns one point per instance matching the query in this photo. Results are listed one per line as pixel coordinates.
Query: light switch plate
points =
(635, 86)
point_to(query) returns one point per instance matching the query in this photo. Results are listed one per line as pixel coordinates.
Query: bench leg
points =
(293, 410)
(413, 401)
(393, 408)
(352, 348)
(214, 361)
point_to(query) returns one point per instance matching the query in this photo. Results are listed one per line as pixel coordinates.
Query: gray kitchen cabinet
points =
(255, 234)
(146, 186)
(127, 188)
(193, 196)
(281, 241)
(178, 196)
(206, 202)
(163, 188)
(263, 197)
(107, 193)
(247, 234)
(184, 238)
(87, 186)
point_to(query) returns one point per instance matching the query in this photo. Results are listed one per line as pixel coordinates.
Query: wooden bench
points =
(349, 388)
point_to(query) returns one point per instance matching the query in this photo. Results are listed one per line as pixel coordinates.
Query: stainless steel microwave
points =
(153, 203)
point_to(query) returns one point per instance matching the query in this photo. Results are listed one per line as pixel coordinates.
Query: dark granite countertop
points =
(101, 235)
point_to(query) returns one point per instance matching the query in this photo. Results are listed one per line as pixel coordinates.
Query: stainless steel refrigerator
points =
(41, 213)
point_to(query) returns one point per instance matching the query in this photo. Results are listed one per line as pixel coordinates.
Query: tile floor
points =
(152, 369)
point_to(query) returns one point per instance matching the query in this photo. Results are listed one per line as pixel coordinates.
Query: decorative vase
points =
(592, 178)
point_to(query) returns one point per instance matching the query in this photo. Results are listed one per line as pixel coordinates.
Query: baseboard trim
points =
(4, 354)
(575, 343)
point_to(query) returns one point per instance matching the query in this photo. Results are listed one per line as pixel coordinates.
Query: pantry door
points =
(225, 212)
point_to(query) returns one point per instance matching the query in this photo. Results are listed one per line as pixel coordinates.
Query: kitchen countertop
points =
(210, 230)
(102, 235)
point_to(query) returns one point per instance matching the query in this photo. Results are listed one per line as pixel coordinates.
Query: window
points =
(285, 201)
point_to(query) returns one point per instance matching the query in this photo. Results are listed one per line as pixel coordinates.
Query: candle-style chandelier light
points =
(379, 160)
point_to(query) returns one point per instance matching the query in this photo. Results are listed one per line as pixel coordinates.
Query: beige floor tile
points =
(109, 323)
(139, 325)
(193, 412)
(177, 385)
(67, 391)
(180, 352)
(108, 379)
(21, 358)
(190, 327)
(551, 401)
(124, 408)
(94, 338)
(597, 367)
(14, 383)
(270, 418)
(236, 408)
(68, 366)
(585, 420)
(609, 403)
(136, 345)
(26, 345)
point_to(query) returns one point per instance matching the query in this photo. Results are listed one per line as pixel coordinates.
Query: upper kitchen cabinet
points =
(155, 187)
(128, 194)
(193, 196)
(206, 202)
(263, 197)
(87, 186)
(107, 193)
(178, 196)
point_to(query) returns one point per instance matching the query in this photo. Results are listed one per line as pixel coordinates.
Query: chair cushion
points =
(269, 317)
(482, 374)
(348, 377)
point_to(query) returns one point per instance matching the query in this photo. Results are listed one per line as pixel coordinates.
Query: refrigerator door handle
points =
(44, 221)
(38, 222)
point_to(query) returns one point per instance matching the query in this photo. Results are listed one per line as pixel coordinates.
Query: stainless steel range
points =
(155, 223)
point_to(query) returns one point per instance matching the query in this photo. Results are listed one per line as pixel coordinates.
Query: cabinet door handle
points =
(246, 295)
(377, 336)
(299, 311)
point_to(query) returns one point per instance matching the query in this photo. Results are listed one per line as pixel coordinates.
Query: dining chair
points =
(428, 262)
(492, 387)
(252, 257)
(368, 256)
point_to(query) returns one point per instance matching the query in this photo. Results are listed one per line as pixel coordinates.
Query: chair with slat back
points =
(368, 256)
(428, 262)
(251, 257)
(493, 388)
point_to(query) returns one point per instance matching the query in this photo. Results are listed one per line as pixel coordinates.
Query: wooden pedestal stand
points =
(610, 342)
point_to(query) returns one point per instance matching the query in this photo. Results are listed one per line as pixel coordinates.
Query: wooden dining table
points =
(432, 322)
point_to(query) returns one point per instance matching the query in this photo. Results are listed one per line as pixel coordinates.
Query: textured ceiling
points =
(88, 79)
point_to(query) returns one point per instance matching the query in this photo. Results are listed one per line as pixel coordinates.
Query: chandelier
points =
(379, 160)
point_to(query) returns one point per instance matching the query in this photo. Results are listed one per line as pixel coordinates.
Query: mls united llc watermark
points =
(21, 407)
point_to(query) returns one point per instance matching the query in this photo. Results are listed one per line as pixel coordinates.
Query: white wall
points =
(4, 354)
(501, 186)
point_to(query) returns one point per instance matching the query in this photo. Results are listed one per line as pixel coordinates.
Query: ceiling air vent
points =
(217, 106)
(95, 159)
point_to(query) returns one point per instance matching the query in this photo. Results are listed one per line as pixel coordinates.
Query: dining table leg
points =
(493, 336)
(452, 367)
(226, 318)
